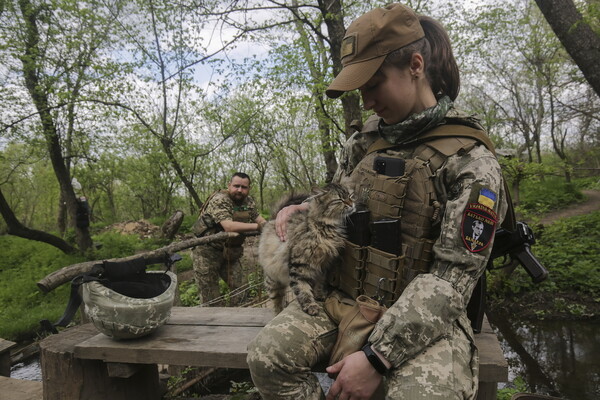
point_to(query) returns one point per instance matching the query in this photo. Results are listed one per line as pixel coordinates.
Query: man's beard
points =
(238, 197)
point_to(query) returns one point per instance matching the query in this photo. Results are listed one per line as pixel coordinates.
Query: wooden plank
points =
(120, 370)
(493, 367)
(5, 346)
(199, 346)
(220, 316)
(20, 389)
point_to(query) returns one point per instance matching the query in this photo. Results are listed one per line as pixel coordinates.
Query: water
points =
(557, 358)
(29, 370)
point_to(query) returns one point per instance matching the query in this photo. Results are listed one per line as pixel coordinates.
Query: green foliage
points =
(23, 305)
(116, 245)
(240, 390)
(188, 293)
(569, 248)
(548, 194)
(592, 183)
(518, 386)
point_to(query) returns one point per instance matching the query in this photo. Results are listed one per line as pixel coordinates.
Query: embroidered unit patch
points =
(478, 227)
(348, 46)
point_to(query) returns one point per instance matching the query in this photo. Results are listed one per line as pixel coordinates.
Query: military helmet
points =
(130, 309)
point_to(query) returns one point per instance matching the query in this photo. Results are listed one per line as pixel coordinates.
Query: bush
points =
(552, 193)
(25, 262)
(569, 249)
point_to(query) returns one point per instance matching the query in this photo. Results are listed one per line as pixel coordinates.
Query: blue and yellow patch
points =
(487, 197)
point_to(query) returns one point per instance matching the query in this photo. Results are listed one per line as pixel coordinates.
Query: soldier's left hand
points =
(356, 379)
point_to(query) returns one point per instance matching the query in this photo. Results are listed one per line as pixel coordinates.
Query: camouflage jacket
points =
(219, 207)
(434, 301)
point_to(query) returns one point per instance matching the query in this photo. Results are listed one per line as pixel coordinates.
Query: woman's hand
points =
(356, 378)
(283, 216)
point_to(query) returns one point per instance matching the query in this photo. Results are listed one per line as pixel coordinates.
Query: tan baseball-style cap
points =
(369, 39)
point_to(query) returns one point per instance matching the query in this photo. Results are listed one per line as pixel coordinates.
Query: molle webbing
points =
(411, 199)
(239, 215)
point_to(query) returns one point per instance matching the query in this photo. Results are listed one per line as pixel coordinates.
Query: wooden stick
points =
(66, 274)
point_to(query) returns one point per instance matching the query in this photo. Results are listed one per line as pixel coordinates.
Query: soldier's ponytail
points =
(441, 69)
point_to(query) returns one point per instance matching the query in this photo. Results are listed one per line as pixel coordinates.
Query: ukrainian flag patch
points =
(487, 197)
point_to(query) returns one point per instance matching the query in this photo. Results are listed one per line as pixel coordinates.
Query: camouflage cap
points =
(369, 39)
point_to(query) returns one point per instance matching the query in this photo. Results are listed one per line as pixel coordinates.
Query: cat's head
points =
(333, 201)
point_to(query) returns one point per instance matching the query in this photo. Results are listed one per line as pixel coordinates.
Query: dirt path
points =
(591, 204)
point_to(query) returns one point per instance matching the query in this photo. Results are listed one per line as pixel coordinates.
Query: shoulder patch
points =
(478, 227)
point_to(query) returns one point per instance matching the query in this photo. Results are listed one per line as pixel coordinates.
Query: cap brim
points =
(353, 76)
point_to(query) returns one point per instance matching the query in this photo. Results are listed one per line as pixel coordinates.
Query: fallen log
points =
(66, 274)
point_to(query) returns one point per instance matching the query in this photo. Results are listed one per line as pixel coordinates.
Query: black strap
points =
(73, 304)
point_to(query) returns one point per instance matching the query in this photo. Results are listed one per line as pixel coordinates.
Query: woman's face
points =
(393, 94)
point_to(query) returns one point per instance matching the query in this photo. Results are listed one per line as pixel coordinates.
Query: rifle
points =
(517, 245)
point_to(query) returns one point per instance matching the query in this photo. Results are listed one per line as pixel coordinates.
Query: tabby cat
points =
(314, 240)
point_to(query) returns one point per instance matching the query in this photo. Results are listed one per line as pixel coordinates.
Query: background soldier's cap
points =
(369, 39)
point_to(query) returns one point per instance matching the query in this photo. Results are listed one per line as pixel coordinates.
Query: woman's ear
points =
(417, 65)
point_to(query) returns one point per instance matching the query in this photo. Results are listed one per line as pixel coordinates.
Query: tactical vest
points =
(408, 201)
(206, 225)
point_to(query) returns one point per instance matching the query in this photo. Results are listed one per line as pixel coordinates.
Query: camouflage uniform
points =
(425, 334)
(355, 148)
(220, 259)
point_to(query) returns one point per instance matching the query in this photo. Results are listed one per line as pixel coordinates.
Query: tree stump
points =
(68, 378)
(172, 225)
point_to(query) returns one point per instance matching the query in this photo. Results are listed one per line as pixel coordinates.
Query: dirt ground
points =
(591, 204)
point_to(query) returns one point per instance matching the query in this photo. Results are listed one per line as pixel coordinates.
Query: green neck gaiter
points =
(416, 124)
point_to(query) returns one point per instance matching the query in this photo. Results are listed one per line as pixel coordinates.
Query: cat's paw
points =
(312, 309)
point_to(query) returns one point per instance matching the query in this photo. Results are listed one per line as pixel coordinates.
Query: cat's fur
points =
(314, 240)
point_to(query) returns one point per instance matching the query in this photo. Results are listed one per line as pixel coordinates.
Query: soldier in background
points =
(229, 210)
(355, 148)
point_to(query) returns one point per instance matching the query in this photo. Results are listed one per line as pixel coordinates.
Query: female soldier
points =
(422, 347)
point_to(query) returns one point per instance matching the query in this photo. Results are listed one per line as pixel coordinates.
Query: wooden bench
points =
(5, 346)
(80, 363)
(15, 388)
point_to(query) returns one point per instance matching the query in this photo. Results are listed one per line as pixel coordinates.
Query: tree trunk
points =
(61, 218)
(332, 14)
(167, 146)
(30, 60)
(172, 225)
(579, 39)
(17, 229)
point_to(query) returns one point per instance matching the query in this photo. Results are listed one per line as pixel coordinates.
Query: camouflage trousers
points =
(285, 351)
(212, 264)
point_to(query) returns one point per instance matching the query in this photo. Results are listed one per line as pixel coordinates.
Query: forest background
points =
(147, 107)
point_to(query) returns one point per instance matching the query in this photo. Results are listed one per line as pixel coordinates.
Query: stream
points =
(556, 358)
